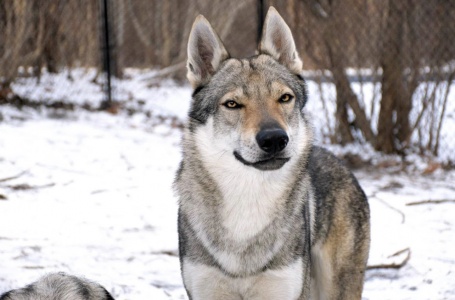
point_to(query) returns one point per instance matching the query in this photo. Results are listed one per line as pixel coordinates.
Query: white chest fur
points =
(206, 282)
(251, 201)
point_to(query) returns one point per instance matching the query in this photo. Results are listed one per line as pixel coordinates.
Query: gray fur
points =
(234, 73)
(311, 212)
(59, 286)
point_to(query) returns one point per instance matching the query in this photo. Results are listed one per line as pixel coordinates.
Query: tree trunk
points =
(51, 42)
(395, 104)
(343, 131)
(345, 91)
(346, 98)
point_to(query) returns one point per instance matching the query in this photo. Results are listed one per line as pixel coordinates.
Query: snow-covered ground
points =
(139, 91)
(90, 195)
(94, 198)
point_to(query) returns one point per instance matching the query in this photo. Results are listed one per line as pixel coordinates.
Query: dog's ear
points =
(277, 41)
(205, 52)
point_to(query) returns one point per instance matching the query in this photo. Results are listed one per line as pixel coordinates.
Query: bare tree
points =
(406, 47)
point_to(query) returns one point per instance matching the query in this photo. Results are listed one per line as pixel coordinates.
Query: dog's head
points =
(248, 110)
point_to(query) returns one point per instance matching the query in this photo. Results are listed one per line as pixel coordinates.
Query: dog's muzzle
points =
(271, 141)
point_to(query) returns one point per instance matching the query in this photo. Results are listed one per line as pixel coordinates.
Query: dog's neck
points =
(251, 198)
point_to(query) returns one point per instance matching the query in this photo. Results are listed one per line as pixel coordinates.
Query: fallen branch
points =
(394, 265)
(25, 186)
(430, 202)
(403, 217)
(400, 252)
(168, 252)
(13, 177)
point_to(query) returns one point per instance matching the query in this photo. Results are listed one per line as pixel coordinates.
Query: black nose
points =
(272, 140)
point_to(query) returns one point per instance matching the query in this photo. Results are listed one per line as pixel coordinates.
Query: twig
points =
(403, 217)
(430, 202)
(13, 177)
(98, 192)
(25, 186)
(394, 265)
(168, 252)
(400, 252)
(33, 267)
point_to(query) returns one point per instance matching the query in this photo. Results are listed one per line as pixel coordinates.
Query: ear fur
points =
(277, 41)
(205, 52)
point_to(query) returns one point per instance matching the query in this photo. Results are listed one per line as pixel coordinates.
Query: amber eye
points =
(231, 104)
(286, 98)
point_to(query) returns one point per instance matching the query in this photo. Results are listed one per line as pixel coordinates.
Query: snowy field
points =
(90, 194)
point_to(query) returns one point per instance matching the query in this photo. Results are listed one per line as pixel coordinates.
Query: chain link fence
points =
(379, 72)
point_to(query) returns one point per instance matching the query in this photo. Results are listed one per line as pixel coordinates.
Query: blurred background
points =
(383, 71)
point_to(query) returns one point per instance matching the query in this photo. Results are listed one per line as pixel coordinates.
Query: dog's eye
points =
(232, 104)
(286, 98)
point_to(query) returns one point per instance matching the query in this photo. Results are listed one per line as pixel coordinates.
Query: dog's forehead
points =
(250, 73)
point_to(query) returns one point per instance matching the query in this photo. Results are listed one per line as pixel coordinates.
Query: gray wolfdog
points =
(59, 286)
(263, 214)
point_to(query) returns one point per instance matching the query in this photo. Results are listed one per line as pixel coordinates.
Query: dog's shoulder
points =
(328, 172)
(337, 193)
(334, 185)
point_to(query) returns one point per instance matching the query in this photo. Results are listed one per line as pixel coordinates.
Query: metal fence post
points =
(106, 53)
(261, 8)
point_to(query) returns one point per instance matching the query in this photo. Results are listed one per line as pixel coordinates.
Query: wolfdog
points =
(59, 286)
(263, 214)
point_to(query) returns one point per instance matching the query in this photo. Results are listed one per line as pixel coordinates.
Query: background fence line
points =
(387, 67)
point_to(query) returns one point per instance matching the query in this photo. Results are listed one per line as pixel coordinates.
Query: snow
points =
(92, 197)
(369, 95)
(105, 209)
(427, 230)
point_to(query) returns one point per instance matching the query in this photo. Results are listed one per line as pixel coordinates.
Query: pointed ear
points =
(205, 52)
(277, 41)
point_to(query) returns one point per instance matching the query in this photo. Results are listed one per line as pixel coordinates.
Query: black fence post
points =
(261, 16)
(106, 51)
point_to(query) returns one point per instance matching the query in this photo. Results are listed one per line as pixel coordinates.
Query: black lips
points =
(270, 164)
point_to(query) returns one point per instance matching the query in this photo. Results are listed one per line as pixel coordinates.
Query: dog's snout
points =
(272, 140)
